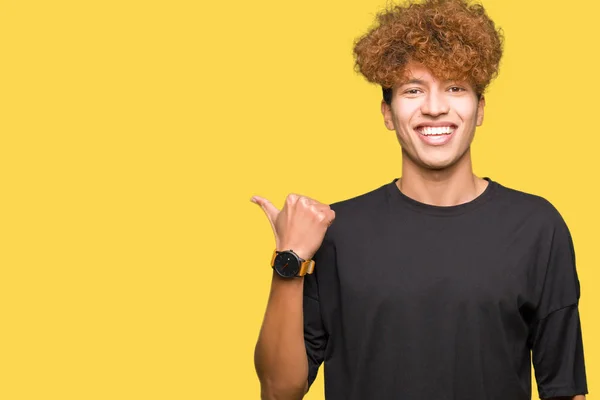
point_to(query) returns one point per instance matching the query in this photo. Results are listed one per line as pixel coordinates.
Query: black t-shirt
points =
(411, 301)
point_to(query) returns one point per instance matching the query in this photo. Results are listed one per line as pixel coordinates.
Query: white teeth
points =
(441, 130)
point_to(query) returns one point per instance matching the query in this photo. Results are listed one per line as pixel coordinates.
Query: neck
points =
(450, 186)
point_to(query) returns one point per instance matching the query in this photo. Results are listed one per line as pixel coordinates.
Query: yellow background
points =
(133, 133)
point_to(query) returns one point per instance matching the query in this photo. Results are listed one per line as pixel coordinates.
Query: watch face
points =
(286, 265)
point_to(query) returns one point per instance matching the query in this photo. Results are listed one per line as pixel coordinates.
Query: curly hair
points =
(454, 39)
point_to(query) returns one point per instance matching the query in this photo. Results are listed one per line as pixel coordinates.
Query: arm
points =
(280, 356)
(556, 333)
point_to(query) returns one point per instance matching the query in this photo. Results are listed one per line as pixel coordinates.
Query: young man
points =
(438, 285)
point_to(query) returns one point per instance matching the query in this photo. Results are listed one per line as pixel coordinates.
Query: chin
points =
(440, 160)
(437, 164)
(434, 160)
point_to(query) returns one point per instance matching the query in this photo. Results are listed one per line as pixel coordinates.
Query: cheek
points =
(404, 112)
(467, 110)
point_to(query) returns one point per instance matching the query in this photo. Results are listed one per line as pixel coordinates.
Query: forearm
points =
(280, 355)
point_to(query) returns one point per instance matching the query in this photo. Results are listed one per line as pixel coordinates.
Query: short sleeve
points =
(556, 335)
(315, 336)
(558, 354)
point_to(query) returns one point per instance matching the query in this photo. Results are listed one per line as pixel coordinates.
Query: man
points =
(438, 285)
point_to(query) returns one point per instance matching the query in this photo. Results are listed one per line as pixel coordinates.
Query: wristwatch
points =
(289, 265)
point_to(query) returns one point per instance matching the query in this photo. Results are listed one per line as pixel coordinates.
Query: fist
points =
(300, 225)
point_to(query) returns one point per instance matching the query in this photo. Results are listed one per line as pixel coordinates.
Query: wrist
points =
(280, 280)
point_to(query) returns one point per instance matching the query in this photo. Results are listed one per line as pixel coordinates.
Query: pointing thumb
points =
(270, 210)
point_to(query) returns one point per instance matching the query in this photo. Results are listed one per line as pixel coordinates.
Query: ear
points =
(388, 119)
(480, 110)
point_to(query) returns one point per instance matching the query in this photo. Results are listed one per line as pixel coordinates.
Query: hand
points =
(301, 224)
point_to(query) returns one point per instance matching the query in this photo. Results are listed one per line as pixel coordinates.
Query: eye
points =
(456, 89)
(413, 91)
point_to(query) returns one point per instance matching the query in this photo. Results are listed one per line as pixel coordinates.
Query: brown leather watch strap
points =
(273, 258)
(307, 267)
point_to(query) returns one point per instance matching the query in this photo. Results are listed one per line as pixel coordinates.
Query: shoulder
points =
(353, 213)
(363, 204)
(528, 207)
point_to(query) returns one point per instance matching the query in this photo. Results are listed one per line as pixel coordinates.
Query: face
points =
(434, 120)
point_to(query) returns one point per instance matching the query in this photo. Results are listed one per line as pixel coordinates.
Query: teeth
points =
(441, 130)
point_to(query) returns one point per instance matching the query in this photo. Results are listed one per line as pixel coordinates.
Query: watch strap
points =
(306, 268)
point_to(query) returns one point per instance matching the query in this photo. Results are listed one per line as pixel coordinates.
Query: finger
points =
(320, 208)
(292, 199)
(324, 216)
(307, 201)
(331, 216)
(270, 210)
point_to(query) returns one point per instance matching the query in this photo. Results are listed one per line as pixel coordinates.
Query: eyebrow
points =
(414, 82)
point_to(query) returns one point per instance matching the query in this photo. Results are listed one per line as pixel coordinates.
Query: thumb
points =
(270, 210)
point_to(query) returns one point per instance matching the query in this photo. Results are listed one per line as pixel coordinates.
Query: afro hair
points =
(454, 39)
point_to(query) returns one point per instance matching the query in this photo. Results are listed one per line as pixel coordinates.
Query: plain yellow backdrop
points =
(133, 134)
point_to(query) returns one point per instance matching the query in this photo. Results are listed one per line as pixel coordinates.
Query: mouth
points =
(436, 135)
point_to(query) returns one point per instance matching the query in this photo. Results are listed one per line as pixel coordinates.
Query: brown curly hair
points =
(452, 38)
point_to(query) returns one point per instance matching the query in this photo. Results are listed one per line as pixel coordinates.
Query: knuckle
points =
(291, 198)
(304, 200)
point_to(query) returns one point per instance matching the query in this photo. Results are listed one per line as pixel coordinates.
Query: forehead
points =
(419, 73)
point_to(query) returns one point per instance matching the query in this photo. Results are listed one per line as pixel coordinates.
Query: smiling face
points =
(434, 120)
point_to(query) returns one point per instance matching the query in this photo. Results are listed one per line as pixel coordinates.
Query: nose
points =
(434, 104)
